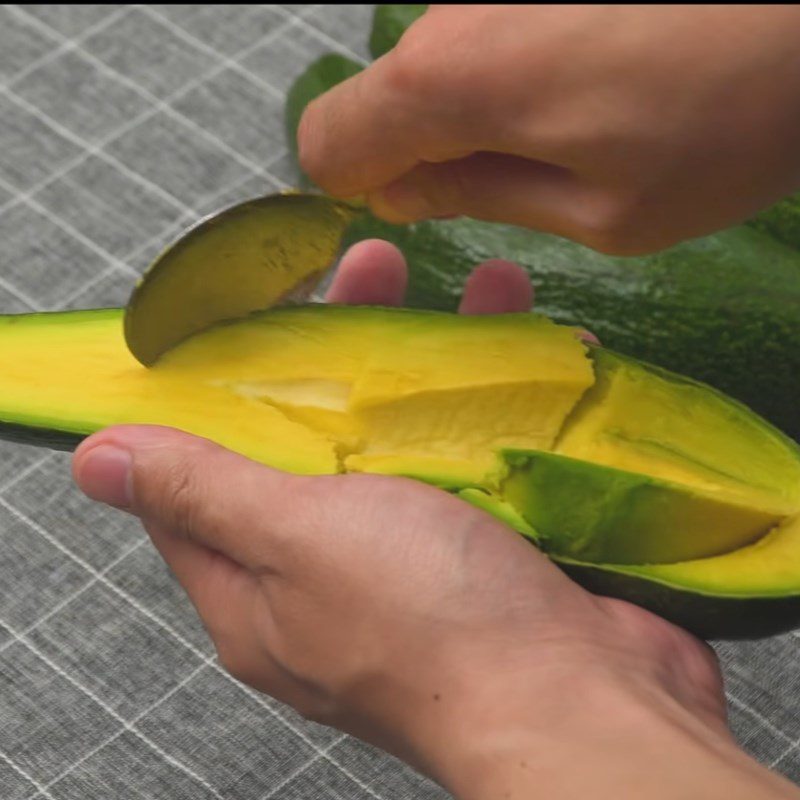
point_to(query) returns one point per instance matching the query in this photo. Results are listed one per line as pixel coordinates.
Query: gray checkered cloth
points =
(119, 126)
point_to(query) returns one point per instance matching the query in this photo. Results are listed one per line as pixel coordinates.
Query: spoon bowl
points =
(251, 256)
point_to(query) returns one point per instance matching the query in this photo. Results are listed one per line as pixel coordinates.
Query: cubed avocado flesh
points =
(626, 475)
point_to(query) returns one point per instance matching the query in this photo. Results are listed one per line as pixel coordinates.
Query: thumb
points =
(193, 488)
(501, 188)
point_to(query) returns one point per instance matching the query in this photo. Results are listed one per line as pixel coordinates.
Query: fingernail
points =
(104, 474)
(588, 336)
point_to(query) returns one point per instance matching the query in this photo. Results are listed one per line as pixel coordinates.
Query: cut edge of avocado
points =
(725, 610)
(601, 514)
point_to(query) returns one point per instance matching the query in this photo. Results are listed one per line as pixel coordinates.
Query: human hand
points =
(398, 613)
(626, 128)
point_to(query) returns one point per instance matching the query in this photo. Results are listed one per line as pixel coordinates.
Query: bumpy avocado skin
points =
(706, 616)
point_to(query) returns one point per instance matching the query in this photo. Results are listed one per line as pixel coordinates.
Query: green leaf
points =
(390, 23)
(322, 75)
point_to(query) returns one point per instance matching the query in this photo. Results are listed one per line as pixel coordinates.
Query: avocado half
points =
(639, 483)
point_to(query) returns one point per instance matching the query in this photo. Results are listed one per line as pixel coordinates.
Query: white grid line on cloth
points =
(191, 218)
(191, 39)
(40, 789)
(97, 149)
(23, 473)
(210, 660)
(42, 531)
(23, 640)
(67, 600)
(89, 150)
(67, 227)
(19, 294)
(89, 285)
(309, 27)
(171, 112)
(263, 703)
(67, 45)
(741, 704)
(21, 195)
(163, 105)
(56, 126)
(119, 733)
(301, 769)
(184, 221)
(775, 761)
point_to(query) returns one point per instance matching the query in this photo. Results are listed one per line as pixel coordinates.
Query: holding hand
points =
(400, 614)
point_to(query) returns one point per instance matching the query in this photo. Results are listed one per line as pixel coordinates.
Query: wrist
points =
(591, 737)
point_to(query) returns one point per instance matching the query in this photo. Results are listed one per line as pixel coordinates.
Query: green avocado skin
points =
(706, 616)
(40, 437)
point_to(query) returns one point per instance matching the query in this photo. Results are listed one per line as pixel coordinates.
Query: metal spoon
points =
(251, 256)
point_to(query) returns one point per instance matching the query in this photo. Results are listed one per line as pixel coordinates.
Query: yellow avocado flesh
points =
(80, 377)
(681, 432)
(307, 389)
(397, 393)
(440, 398)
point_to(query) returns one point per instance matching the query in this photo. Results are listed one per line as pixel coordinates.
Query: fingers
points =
(502, 287)
(495, 187)
(344, 142)
(408, 106)
(372, 272)
(193, 488)
(588, 336)
(497, 287)
(220, 522)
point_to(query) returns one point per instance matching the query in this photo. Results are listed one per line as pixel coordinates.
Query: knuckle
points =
(175, 491)
(411, 69)
(325, 124)
(457, 190)
(403, 73)
(180, 497)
